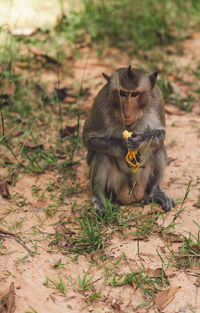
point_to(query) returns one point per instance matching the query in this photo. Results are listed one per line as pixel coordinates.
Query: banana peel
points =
(132, 155)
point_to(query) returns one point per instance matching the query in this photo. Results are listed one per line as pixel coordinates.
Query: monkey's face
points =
(130, 91)
(131, 102)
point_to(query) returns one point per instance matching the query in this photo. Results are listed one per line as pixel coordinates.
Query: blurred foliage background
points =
(133, 24)
(136, 24)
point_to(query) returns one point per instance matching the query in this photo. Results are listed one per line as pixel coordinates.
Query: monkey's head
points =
(130, 92)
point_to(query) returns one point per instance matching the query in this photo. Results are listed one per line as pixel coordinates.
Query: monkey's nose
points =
(127, 114)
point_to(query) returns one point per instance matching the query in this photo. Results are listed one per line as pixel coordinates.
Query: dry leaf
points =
(158, 272)
(169, 238)
(162, 249)
(4, 100)
(116, 307)
(165, 297)
(8, 304)
(47, 58)
(11, 299)
(32, 146)
(70, 129)
(197, 204)
(4, 192)
(63, 93)
(11, 179)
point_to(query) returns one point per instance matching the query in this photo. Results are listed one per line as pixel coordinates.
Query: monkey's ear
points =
(130, 73)
(153, 77)
(106, 76)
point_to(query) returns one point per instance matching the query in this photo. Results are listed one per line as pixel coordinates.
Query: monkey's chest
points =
(124, 167)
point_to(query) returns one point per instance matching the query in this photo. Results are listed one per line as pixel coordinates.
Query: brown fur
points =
(129, 100)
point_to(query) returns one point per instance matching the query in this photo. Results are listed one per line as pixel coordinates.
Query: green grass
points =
(88, 234)
(188, 254)
(85, 282)
(149, 285)
(30, 109)
(58, 285)
(32, 310)
(131, 24)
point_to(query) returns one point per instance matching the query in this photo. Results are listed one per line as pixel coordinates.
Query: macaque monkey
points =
(130, 101)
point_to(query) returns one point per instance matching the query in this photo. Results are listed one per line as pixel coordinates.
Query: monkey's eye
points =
(122, 93)
(135, 94)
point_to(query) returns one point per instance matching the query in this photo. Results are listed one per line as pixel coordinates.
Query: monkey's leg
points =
(154, 190)
(141, 180)
(125, 195)
(161, 198)
(100, 170)
(108, 182)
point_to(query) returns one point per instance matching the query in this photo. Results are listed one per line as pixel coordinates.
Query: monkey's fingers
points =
(133, 144)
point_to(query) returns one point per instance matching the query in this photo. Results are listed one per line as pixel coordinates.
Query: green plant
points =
(59, 285)
(94, 296)
(3, 251)
(88, 236)
(182, 208)
(189, 253)
(139, 25)
(85, 282)
(32, 310)
(149, 285)
(165, 87)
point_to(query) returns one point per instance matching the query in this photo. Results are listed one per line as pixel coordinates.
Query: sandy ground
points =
(30, 274)
(35, 228)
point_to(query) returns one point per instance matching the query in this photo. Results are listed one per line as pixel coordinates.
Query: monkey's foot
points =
(161, 198)
(98, 206)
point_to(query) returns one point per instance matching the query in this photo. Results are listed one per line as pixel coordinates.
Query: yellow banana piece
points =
(131, 155)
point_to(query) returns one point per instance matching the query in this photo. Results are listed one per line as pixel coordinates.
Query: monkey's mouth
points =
(128, 124)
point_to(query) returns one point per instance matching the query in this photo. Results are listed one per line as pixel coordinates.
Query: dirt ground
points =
(29, 272)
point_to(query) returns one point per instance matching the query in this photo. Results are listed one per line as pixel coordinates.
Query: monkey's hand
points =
(149, 137)
(133, 139)
(134, 142)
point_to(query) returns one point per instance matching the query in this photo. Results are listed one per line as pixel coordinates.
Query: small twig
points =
(17, 239)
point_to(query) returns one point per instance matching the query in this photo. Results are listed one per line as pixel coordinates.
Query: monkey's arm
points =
(152, 137)
(113, 146)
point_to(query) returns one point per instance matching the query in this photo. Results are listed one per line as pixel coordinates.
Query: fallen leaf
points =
(164, 297)
(150, 271)
(158, 272)
(69, 129)
(169, 238)
(170, 160)
(4, 100)
(4, 192)
(11, 178)
(47, 58)
(11, 299)
(116, 307)
(197, 204)
(32, 146)
(162, 249)
(8, 303)
(63, 93)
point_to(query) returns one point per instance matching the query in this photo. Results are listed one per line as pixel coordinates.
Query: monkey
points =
(129, 100)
